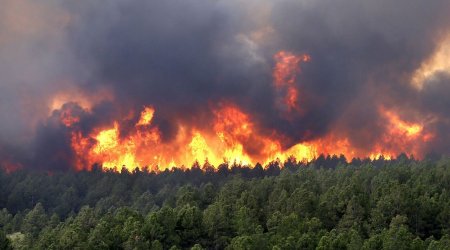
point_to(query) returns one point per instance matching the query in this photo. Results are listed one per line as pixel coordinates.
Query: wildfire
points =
(107, 140)
(146, 116)
(233, 140)
(285, 76)
(233, 136)
(398, 126)
(144, 147)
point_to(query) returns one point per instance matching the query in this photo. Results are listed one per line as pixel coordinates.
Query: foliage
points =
(325, 204)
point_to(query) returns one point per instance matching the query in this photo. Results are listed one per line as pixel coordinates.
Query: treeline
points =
(325, 204)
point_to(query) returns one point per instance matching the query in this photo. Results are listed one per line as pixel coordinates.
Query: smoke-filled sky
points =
(104, 60)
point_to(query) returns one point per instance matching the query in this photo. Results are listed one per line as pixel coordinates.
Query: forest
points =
(328, 203)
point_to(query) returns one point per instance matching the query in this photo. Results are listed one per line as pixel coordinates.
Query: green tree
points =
(216, 223)
(245, 222)
(197, 247)
(161, 226)
(35, 221)
(398, 236)
(5, 243)
(189, 226)
(156, 245)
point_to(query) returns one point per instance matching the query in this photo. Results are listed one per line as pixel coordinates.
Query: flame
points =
(287, 67)
(400, 135)
(285, 76)
(232, 129)
(107, 139)
(146, 116)
(235, 138)
(398, 126)
(200, 149)
(233, 135)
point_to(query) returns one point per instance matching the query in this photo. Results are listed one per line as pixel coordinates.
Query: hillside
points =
(326, 204)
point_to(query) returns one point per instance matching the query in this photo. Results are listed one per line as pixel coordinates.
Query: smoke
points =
(184, 58)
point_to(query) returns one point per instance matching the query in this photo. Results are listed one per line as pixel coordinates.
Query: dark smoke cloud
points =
(361, 52)
(184, 57)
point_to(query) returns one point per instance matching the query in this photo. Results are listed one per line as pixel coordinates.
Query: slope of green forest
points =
(326, 204)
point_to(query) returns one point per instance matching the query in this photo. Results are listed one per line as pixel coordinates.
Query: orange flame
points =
(233, 136)
(146, 116)
(400, 127)
(285, 76)
(401, 136)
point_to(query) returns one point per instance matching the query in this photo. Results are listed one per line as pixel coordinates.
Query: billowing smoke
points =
(372, 66)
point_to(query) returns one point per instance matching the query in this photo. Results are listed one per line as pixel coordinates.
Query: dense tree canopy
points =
(325, 204)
